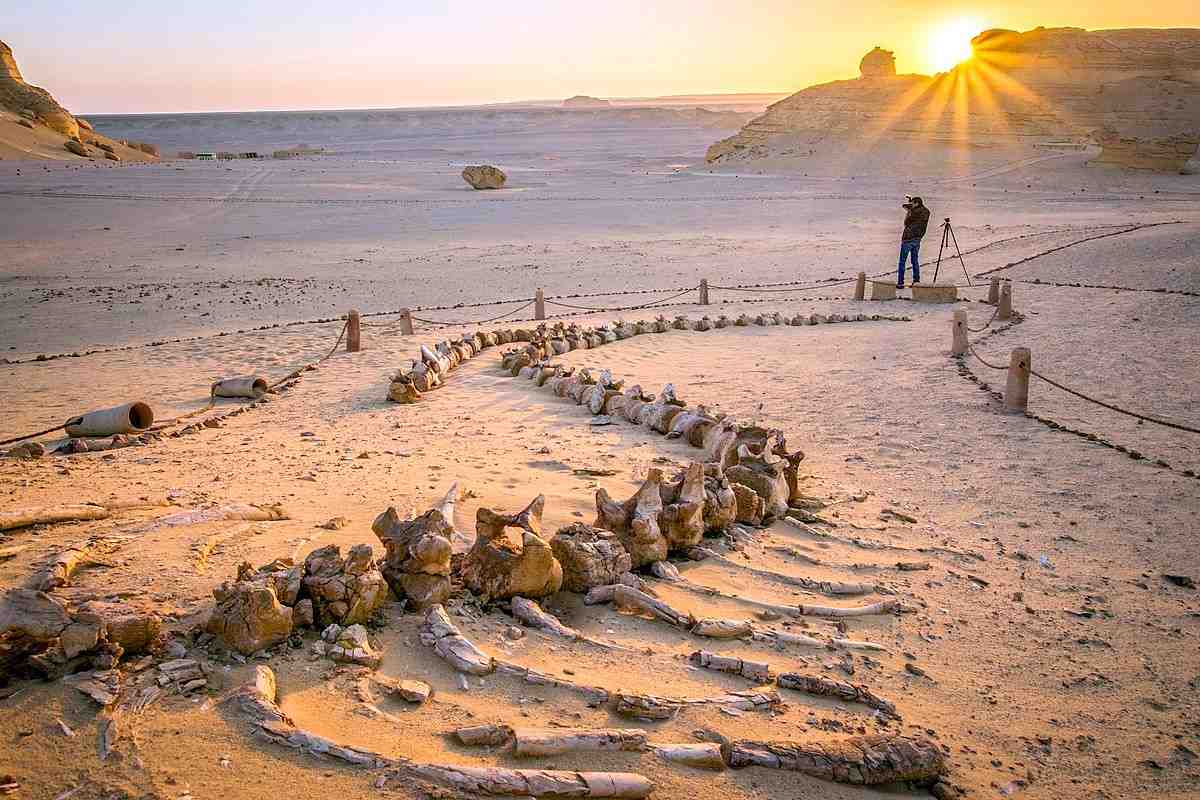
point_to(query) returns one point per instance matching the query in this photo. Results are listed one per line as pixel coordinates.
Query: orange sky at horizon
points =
(270, 54)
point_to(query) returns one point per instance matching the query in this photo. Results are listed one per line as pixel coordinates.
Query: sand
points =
(1070, 691)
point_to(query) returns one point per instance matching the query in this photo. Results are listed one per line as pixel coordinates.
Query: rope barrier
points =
(1130, 229)
(1111, 407)
(802, 288)
(32, 435)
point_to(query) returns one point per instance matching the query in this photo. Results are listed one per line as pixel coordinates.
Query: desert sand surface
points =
(1045, 653)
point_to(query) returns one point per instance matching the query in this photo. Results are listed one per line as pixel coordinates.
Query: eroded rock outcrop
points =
(248, 617)
(1132, 91)
(17, 95)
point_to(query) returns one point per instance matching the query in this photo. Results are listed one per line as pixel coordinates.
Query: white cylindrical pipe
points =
(254, 386)
(129, 418)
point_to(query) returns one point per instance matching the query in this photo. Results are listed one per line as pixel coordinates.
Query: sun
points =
(950, 43)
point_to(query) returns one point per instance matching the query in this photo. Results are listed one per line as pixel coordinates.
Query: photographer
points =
(916, 220)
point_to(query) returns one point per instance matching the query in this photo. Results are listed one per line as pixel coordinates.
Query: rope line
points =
(1111, 407)
(801, 288)
(1130, 229)
(32, 435)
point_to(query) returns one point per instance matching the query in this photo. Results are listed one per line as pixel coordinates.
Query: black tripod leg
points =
(960, 258)
(941, 247)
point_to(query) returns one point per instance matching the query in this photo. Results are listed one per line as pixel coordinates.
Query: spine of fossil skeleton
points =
(531, 743)
(831, 687)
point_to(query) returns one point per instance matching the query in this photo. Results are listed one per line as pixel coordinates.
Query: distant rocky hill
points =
(583, 101)
(1135, 93)
(34, 126)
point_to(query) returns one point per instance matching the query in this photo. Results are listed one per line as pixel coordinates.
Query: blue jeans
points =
(909, 247)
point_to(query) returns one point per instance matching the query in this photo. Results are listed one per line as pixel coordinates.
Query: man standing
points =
(916, 220)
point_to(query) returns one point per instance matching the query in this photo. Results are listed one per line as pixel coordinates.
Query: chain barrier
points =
(1165, 423)
(663, 302)
(965, 371)
(987, 324)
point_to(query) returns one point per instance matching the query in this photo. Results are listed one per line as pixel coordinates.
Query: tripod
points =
(948, 237)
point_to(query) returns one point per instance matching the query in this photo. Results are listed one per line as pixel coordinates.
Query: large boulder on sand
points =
(484, 176)
(590, 557)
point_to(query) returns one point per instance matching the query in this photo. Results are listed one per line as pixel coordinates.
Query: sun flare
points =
(950, 43)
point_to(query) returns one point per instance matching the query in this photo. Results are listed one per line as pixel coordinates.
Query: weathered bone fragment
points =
(349, 645)
(703, 756)
(635, 402)
(64, 566)
(499, 567)
(561, 376)
(47, 515)
(597, 398)
(636, 521)
(630, 599)
(448, 642)
(403, 389)
(651, 707)
(536, 743)
(823, 686)
(474, 781)
(258, 697)
(682, 323)
(703, 324)
(723, 628)
(722, 322)
(532, 615)
(860, 760)
(134, 627)
(720, 500)
(30, 622)
(437, 362)
(346, 591)
(298, 739)
(581, 382)
(682, 518)
(749, 505)
(882, 607)
(248, 617)
(659, 414)
(484, 735)
(416, 562)
(589, 557)
(751, 670)
(647, 707)
(594, 696)
(764, 473)
(812, 585)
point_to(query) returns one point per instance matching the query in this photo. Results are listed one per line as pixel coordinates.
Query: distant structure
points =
(583, 101)
(878, 63)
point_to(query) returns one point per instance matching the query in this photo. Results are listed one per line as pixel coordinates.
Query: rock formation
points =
(584, 101)
(47, 130)
(1135, 92)
(590, 557)
(248, 617)
(484, 176)
(346, 591)
(17, 95)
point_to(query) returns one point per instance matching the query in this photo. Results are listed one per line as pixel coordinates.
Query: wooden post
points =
(1005, 307)
(539, 307)
(353, 332)
(1016, 391)
(860, 287)
(704, 291)
(994, 291)
(958, 327)
(406, 328)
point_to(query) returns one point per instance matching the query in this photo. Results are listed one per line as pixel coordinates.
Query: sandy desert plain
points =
(1043, 651)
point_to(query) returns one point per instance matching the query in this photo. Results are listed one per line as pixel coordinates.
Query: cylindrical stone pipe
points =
(254, 386)
(129, 418)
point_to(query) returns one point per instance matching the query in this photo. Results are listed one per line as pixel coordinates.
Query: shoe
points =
(899, 285)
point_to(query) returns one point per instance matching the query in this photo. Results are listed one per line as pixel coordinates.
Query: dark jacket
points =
(915, 223)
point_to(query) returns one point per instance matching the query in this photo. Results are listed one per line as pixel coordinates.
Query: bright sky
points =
(202, 55)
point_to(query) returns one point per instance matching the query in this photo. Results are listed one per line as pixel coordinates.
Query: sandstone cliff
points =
(1134, 92)
(34, 126)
